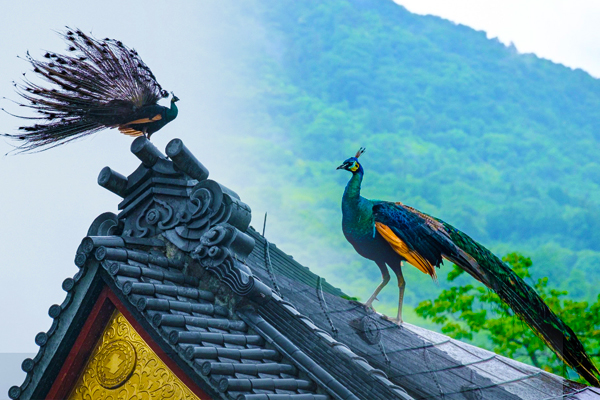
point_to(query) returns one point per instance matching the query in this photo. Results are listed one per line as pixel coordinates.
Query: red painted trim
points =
(89, 336)
(83, 346)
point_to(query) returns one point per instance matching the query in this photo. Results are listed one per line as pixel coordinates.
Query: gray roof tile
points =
(178, 258)
(425, 363)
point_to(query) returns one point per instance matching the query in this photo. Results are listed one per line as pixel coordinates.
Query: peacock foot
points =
(397, 321)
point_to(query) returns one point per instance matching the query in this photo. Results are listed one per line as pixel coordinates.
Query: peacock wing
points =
(422, 239)
(409, 235)
(135, 123)
(412, 233)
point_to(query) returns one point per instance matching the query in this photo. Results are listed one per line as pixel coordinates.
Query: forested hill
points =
(502, 145)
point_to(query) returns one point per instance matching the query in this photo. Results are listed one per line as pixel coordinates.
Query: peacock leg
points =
(401, 287)
(385, 276)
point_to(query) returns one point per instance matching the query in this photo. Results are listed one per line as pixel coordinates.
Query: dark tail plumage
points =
(528, 305)
(101, 84)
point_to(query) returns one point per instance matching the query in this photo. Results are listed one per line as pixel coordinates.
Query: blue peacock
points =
(392, 233)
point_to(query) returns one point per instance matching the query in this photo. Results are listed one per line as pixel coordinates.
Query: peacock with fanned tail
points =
(100, 84)
(391, 233)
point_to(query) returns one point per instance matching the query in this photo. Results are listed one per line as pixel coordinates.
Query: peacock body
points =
(390, 233)
(100, 84)
(358, 225)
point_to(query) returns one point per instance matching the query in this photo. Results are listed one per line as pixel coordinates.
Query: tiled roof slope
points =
(425, 363)
(174, 257)
(220, 347)
(201, 332)
(232, 312)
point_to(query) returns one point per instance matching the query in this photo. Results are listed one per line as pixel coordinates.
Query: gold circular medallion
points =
(115, 363)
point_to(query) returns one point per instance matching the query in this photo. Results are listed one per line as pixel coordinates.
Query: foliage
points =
(500, 144)
(464, 311)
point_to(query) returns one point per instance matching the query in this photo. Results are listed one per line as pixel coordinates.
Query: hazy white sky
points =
(564, 31)
(48, 200)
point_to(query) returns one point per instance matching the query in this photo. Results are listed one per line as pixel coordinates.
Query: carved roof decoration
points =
(231, 310)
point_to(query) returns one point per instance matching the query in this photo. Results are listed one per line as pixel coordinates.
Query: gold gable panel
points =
(123, 367)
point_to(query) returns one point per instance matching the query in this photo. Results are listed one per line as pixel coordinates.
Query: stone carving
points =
(219, 250)
(184, 221)
(367, 328)
(222, 251)
(123, 366)
(170, 197)
(209, 204)
(104, 225)
(115, 363)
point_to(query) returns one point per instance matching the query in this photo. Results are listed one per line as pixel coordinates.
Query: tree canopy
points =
(500, 144)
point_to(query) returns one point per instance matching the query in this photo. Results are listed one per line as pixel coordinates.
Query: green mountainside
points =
(502, 145)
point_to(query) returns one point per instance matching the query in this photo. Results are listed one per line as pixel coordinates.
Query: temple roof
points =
(241, 318)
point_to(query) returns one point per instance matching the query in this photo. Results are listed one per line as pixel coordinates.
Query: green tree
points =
(473, 311)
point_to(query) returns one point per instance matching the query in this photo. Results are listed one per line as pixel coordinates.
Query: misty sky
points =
(562, 31)
(48, 200)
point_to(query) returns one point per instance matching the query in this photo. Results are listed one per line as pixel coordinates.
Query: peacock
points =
(392, 233)
(99, 84)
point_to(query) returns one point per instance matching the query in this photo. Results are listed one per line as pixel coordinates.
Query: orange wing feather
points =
(130, 131)
(157, 117)
(400, 247)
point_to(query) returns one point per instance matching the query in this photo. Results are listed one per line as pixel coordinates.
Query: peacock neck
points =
(172, 112)
(357, 212)
(352, 203)
(352, 192)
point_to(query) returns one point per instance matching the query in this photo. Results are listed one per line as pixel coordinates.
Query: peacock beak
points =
(341, 166)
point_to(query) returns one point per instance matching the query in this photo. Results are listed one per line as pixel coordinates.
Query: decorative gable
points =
(155, 311)
(123, 366)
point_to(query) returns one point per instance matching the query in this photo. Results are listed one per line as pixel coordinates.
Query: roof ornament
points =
(222, 251)
(170, 196)
(368, 329)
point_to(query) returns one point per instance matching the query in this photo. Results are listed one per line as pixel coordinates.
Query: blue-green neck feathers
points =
(172, 112)
(352, 191)
(357, 212)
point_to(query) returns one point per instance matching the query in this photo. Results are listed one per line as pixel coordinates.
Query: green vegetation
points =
(472, 312)
(501, 145)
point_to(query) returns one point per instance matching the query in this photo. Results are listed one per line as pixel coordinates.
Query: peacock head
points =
(174, 99)
(352, 163)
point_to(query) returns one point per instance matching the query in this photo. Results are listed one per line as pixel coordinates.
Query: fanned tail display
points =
(99, 84)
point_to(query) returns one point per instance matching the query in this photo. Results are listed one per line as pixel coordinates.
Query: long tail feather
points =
(526, 303)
